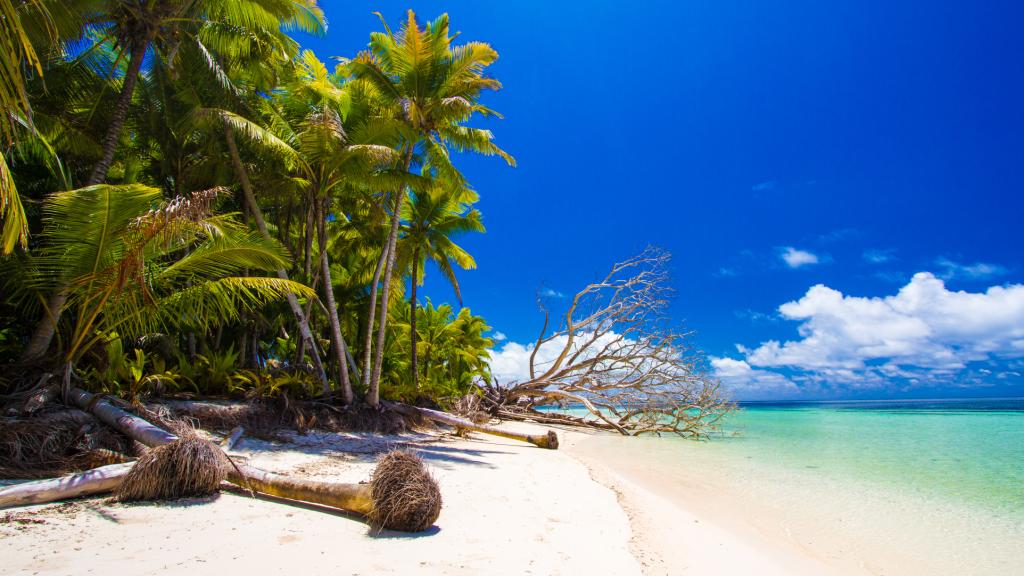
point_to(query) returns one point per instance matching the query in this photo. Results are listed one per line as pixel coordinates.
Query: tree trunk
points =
(130, 425)
(308, 267)
(293, 301)
(337, 340)
(373, 394)
(356, 498)
(47, 327)
(95, 481)
(412, 320)
(243, 347)
(388, 256)
(41, 338)
(371, 317)
(99, 172)
(549, 440)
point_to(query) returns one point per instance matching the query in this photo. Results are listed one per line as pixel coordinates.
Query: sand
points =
(509, 508)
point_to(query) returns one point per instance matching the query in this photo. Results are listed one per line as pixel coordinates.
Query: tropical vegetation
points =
(193, 203)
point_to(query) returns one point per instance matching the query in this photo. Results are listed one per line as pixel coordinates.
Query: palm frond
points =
(12, 213)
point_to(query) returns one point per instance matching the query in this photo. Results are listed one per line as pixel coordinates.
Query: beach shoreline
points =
(669, 536)
(791, 517)
(509, 508)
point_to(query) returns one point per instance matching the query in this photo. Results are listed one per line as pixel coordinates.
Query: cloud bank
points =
(925, 334)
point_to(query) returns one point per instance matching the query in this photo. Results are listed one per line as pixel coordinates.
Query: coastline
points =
(509, 508)
(670, 536)
(686, 499)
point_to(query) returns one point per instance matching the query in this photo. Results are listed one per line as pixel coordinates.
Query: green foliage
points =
(133, 264)
(130, 376)
(454, 353)
(226, 97)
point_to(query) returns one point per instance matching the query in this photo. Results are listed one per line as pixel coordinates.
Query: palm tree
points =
(454, 349)
(433, 218)
(130, 269)
(332, 159)
(433, 88)
(21, 23)
(233, 79)
(136, 27)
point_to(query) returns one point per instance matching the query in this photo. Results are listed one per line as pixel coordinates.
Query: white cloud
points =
(879, 256)
(977, 271)
(925, 333)
(511, 363)
(499, 336)
(765, 186)
(795, 258)
(549, 293)
(742, 380)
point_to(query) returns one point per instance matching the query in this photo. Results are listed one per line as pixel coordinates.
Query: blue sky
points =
(773, 147)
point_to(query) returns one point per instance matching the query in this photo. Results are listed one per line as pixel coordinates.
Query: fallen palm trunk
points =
(356, 498)
(95, 481)
(549, 440)
(401, 495)
(128, 424)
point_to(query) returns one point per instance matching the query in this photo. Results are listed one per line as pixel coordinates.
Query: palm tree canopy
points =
(434, 217)
(432, 86)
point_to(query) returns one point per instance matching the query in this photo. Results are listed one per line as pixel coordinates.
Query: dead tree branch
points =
(618, 356)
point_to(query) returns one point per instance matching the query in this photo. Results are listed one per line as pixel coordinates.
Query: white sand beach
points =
(509, 508)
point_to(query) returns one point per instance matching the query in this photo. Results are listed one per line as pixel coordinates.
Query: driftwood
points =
(350, 497)
(216, 412)
(95, 481)
(617, 355)
(362, 499)
(552, 418)
(549, 440)
(232, 439)
(128, 424)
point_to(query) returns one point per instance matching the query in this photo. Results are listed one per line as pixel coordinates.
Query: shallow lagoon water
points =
(887, 487)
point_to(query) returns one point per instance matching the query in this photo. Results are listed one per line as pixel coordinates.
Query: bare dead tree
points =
(617, 354)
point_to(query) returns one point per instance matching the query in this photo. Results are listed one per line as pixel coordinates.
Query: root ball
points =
(405, 495)
(187, 467)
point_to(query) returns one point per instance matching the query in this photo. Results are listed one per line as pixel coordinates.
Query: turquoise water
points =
(970, 451)
(895, 487)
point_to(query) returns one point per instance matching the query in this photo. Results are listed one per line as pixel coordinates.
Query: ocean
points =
(888, 487)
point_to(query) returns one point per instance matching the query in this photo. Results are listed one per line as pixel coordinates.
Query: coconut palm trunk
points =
(373, 395)
(401, 494)
(261, 224)
(47, 327)
(337, 340)
(368, 336)
(120, 112)
(390, 252)
(413, 355)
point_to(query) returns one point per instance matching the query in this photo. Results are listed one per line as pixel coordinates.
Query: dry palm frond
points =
(53, 444)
